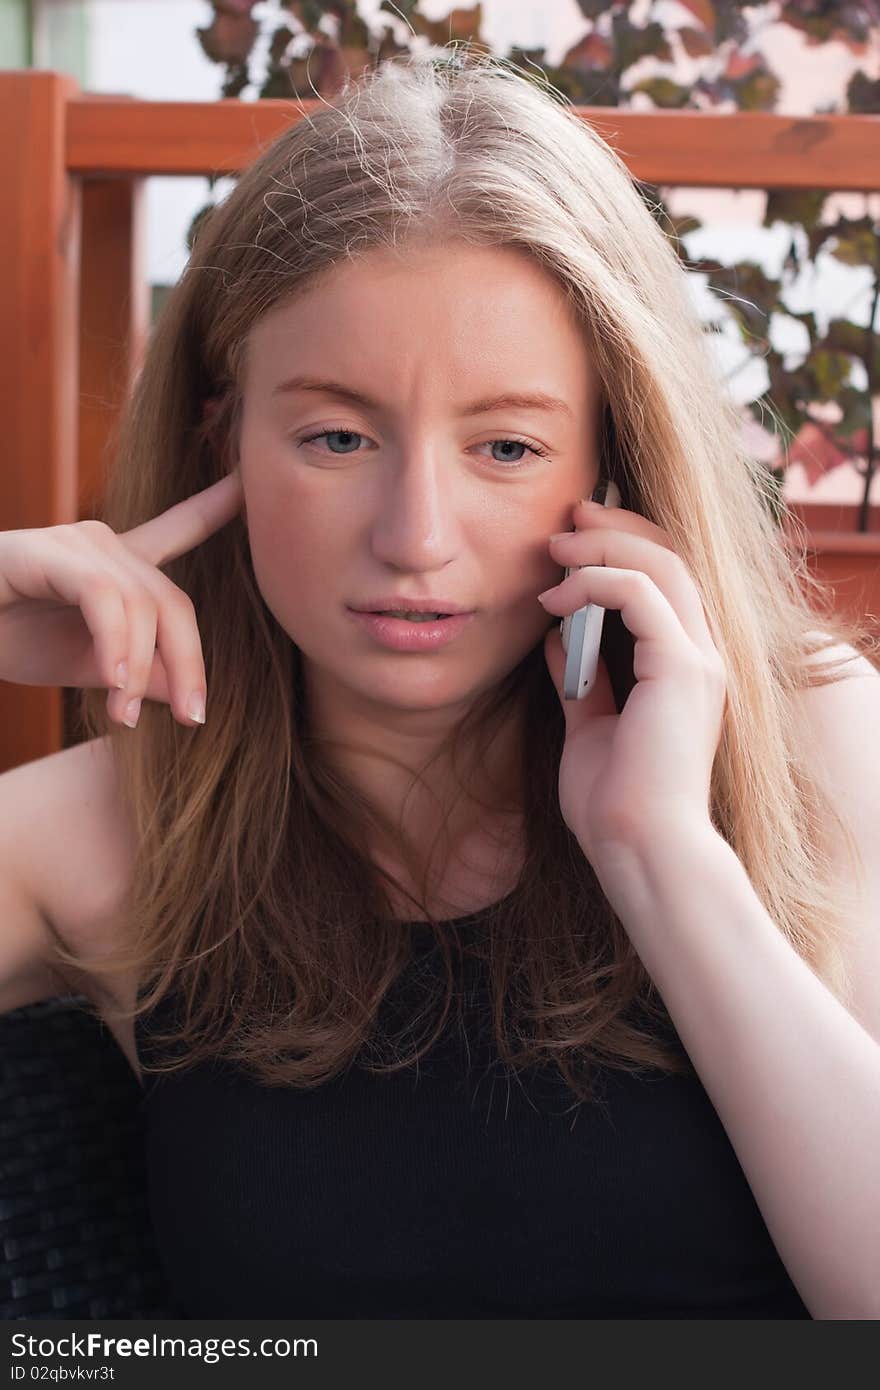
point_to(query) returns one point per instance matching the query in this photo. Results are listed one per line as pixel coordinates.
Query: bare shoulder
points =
(844, 757)
(852, 661)
(69, 843)
(838, 715)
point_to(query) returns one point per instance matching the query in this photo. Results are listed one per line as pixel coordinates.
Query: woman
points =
(383, 878)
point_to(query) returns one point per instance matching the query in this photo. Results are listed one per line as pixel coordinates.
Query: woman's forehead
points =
(477, 318)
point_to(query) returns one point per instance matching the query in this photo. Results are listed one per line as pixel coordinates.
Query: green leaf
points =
(308, 12)
(772, 492)
(664, 92)
(830, 372)
(279, 84)
(749, 294)
(757, 92)
(279, 42)
(577, 84)
(800, 205)
(632, 43)
(730, 22)
(845, 336)
(823, 232)
(858, 246)
(856, 407)
(863, 94)
(790, 391)
(778, 414)
(237, 78)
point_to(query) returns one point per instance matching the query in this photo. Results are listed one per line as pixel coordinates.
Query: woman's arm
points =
(794, 1078)
(793, 1075)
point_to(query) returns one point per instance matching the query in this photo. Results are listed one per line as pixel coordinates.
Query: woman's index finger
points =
(188, 523)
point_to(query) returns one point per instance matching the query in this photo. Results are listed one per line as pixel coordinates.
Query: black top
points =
(452, 1191)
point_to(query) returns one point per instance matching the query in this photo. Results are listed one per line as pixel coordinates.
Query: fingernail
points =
(132, 713)
(121, 675)
(196, 709)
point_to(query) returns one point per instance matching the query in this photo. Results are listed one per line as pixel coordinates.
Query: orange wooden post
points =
(696, 149)
(70, 154)
(114, 321)
(39, 307)
(850, 564)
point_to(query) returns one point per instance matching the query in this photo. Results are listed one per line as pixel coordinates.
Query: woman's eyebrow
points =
(509, 400)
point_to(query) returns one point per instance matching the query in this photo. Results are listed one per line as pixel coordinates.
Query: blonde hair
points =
(253, 895)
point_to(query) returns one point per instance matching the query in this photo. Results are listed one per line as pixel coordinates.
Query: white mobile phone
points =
(582, 630)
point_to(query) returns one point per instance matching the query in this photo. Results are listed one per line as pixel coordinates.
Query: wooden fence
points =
(74, 298)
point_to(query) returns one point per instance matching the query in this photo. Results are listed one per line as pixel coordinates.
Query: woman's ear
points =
(236, 468)
(212, 420)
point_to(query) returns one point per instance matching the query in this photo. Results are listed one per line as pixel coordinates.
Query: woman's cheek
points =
(276, 547)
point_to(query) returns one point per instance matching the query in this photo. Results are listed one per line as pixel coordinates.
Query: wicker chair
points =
(74, 1219)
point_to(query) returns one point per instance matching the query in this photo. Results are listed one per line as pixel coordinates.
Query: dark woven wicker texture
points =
(74, 1221)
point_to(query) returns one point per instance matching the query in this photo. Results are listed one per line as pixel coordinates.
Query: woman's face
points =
(414, 486)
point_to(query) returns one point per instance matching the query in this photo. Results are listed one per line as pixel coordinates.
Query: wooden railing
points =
(74, 298)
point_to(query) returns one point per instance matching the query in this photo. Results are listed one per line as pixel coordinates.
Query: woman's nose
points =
(416, 518)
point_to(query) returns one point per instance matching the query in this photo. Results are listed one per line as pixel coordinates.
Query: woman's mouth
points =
(413, 633)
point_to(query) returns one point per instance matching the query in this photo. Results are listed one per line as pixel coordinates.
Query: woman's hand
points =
(624, 777)
(78, 600)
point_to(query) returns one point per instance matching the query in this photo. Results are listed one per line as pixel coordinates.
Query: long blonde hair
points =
(253, 895)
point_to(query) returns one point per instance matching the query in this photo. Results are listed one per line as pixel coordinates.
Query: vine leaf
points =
(720, 38)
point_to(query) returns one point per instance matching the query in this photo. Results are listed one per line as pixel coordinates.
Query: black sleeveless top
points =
(452, 1190)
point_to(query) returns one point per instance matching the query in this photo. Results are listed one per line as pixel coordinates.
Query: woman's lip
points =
(443, 612)
(400, 635)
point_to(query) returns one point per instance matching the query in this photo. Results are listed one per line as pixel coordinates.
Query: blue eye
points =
(512, 464)
(518, 443)
(350, 433)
